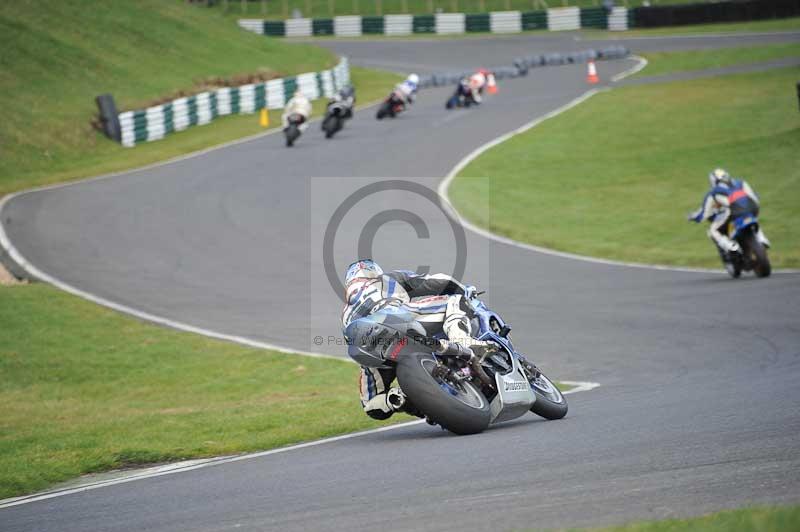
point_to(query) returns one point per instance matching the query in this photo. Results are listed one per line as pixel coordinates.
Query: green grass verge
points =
(85, 389)
(59, 54)
(615, 176)
(777, 519)
(669, 62)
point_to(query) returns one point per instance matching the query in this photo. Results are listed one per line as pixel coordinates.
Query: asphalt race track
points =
(699, 407)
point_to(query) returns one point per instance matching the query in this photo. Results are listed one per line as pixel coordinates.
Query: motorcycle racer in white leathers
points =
(408, 88)
(439, 302)
(726, 195)
(300, 105)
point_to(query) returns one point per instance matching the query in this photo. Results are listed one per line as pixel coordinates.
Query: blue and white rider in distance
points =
(727, 197)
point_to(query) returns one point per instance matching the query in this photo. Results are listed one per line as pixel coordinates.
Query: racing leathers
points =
(298, 105)
(476, 84)
(346, 98)
(439, 302)
(407, 91)
(721, 203)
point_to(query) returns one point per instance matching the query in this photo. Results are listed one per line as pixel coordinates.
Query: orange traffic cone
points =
(591, 76)
(492, 84)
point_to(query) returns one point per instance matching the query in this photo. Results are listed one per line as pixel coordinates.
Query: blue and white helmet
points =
(719, 176)
(413, 81)
(362, 269)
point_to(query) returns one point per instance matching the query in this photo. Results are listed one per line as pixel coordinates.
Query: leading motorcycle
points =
(292, 130)
(447, 383)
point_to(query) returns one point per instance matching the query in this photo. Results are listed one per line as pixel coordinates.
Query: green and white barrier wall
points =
(556, 19)
(158, 121)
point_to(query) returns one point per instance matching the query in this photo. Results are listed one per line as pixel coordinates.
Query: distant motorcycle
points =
(334, 119)
(448, 383)
(392, 105)
(752, 255)
(462, 97)
(292, 130)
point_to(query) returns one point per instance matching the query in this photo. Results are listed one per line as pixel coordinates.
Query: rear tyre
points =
(758, 255)
(461, 408)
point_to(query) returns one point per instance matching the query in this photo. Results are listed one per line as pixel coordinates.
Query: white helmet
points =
(362, 269)
(719, 175)
(413, 79)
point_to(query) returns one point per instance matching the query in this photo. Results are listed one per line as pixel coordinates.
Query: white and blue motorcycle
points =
(448, 383)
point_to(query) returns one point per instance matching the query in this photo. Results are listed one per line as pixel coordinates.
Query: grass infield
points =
(668, 62)
(775, 519)
(615, 176)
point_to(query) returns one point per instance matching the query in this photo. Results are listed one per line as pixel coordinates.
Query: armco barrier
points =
(594, 17)
(449, 23)
(398, 24)
(505, 22)
(372, 25)
(555, 19)
(564, 18)
(478, 22)
(298, 27)
(347, 26)
(158, 121)
(618, 19)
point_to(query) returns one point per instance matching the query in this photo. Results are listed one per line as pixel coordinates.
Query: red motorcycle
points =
(392, 105)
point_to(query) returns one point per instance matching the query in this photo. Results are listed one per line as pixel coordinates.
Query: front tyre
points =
(460, 408)
(384, 110)
(550, 402)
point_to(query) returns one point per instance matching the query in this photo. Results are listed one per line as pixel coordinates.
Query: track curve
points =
(699, 408)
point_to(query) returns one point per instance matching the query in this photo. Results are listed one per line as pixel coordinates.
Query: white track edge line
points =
(191, 465)
(641, 63)
(445, 185)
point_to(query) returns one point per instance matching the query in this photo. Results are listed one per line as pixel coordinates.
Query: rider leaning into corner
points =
(345, 97)
(439, 302)
(727, 197)
(300, 105)
(408, 88)
(477, 82)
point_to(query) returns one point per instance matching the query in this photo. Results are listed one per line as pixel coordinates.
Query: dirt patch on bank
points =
(6, 279)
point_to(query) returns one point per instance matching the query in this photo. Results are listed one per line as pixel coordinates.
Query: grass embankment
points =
(669, 62)
(615, 176)
(59, 54)
(778, 519)
(85, 389)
